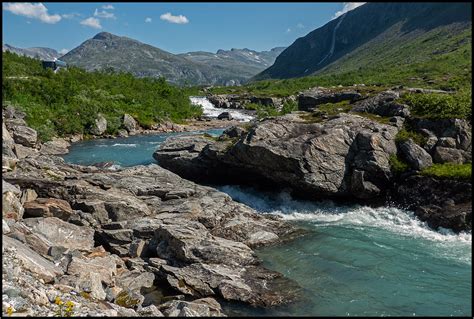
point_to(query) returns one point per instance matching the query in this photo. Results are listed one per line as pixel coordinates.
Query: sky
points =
(174, 27)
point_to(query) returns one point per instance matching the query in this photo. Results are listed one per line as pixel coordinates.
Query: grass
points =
(449, 170)
(404, 135)
(67, 102)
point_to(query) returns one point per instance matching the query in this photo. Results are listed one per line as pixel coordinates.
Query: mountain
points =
(375, 34)
(37, 52)
(106, 50)
(238, 64)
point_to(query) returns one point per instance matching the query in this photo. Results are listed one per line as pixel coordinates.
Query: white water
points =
(327, 214)
(211, 111)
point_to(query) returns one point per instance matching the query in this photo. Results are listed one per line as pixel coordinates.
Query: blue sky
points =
(174, 27)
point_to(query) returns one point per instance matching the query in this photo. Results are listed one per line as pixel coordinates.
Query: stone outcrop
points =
(310, 99)
(415, 155)
(383, 104)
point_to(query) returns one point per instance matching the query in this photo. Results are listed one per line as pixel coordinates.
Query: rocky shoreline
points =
(343, 156)
(139, 241)
(143, 241)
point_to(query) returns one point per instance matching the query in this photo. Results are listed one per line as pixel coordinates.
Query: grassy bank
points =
(67, 102)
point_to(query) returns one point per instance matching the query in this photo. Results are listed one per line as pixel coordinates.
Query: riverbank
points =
(141, 240)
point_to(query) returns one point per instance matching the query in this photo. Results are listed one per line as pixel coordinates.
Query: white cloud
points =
(300, 25)
(288, 30)
(92, 22)
(348, 6)
(32, 10)
(70, 15)
(148, 20)
(63, 51)
(104, 14)
(108, 7)
(174, 19)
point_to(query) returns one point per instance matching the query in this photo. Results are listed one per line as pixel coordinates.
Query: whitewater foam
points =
(326, 213)
(123, 145)
(211, 111)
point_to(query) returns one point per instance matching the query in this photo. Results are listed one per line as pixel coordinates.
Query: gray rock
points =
(105, 267)
(7, 187)
(224, 116)
(5, 227)
(383, 104)
(450, 155)
(150, 311)
(135, 280)
(122, 133)
(129, 123)
(415, 155)
(33, 262)
(63, 234)
(314, 159)
(100, 125)
(205, 307)
(24, 135)
(446, 142)
(91, 283)
(310, 99)
(57, 146)
(28, 195)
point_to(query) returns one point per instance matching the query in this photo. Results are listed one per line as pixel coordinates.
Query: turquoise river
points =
(354, 260)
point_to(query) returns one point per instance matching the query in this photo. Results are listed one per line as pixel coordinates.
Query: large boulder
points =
(57, 146)
(129, 123)
(383, 104)
(204, 307)
(415, 155)
(224, 116)
(100, 125)
(314, 159)
(11, 205)
(310, 99)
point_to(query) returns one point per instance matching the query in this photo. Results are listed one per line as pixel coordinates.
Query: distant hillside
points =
(375, 35)
(106, 50)
(37, 52)
(239, 64)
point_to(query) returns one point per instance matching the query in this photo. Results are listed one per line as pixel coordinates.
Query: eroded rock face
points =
(48, 207)
(313, 158)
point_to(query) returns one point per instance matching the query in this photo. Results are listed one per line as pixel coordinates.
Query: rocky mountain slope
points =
(375, 34)
(106, 50)
(37, 52)
(237, 64)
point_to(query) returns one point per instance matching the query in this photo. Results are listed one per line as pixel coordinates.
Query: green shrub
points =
(449, 170)
(397, 164)
(67, 102)
(439, 106)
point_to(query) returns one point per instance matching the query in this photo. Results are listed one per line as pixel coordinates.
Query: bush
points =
(397, 165)
(440, 106)
(449, 170)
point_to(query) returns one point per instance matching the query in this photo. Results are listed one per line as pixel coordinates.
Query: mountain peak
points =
(104, 36)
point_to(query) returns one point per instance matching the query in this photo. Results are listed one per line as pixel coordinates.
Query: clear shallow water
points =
(126, 151)
(362, 261)
(355, 260)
